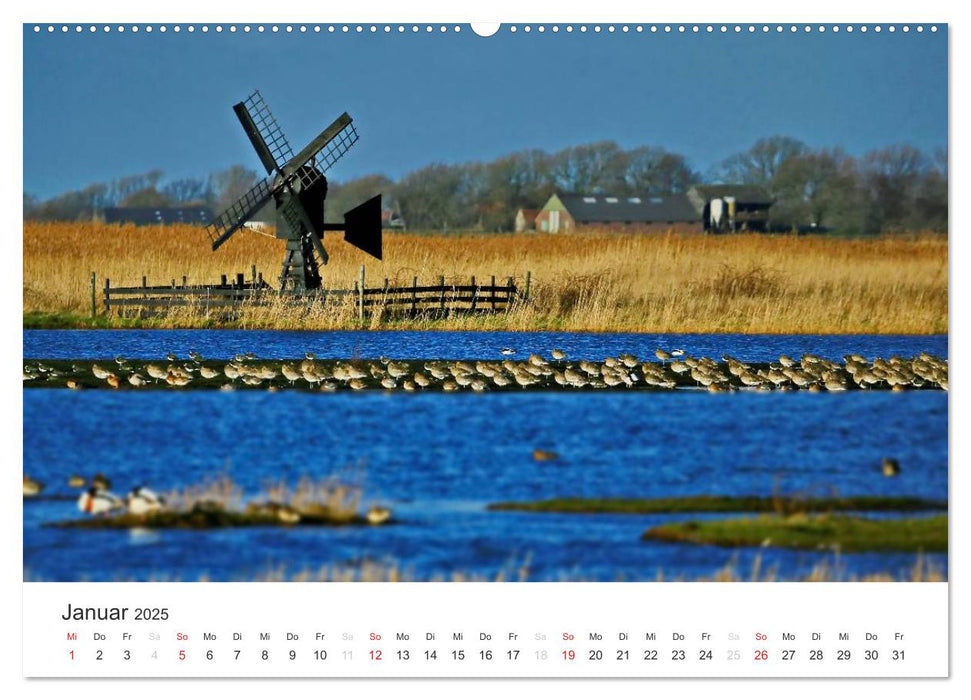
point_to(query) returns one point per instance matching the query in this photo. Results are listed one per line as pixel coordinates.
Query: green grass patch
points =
(59, 320)
(722, 504)
(849, 534)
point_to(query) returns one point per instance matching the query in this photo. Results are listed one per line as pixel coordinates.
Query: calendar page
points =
(537, 349)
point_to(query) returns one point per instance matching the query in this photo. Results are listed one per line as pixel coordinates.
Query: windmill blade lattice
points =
(231, 220)
(269, 130)
(324, 158)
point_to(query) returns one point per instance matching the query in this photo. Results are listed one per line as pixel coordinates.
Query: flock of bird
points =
(813, 373)
(97, 499)
(670, 370)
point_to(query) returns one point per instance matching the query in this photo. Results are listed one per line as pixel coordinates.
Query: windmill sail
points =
(321, 153)
(263, 132)
(231, 220)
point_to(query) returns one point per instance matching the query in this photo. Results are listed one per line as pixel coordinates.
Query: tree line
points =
(889, 189)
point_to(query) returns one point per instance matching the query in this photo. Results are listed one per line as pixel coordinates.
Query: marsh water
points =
(439, 459)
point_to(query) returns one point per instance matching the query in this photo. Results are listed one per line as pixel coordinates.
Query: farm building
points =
(391, 219)
(727, 208)
(526, 220)
(565, 212)
(144, 216)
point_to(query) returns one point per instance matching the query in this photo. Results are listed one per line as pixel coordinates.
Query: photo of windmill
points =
(298, 189)
(602, 342)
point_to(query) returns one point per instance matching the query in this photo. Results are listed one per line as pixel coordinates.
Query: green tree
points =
(760, 164)
(147, 197)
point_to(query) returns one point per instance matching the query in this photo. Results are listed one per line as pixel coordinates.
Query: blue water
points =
(438, 459)
(461, 345)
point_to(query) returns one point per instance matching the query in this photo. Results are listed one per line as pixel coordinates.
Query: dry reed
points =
(595, 281)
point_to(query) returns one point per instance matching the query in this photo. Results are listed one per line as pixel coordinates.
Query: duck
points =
(141, 501)
(507, 351)
(32, 487)
(891, 467)
(101, 482)
(96, 501)
(378, 515)
(677, 353)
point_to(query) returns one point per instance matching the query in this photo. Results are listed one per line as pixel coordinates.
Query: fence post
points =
(526, 287)
(510, 291)
(414, 297)
(441, 283)
(475, 293)
(107, 295)
(185, 281)
(94, 298)
(493, 293)
(253, 269)
(144, 281)
(360, 298)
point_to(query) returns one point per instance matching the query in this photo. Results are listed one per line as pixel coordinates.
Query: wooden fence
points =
(231, 296)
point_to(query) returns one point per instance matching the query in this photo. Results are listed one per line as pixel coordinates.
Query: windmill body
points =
(298, 188)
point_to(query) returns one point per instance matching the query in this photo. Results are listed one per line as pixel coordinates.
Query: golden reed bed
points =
(594, 281)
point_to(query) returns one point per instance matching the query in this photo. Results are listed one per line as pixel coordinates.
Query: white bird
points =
(507, 351)
(141, 501)
(97, 502)
(677, 353)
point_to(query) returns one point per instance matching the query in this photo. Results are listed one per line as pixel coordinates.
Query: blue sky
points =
(98, 106)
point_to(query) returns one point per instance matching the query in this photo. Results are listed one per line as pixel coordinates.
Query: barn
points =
(526, 220)
(565, 212)
(145, 216)
(730, 208)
